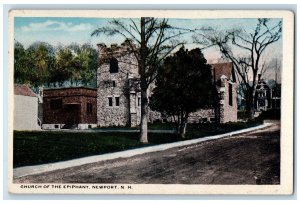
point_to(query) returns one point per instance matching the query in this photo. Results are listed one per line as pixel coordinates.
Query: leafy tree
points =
(41, 59)
(74, 64)
(20, 64)
(85, 63)
(43, 65)
(245, 50)
(183, 85)
(151, 40)
(63, 67)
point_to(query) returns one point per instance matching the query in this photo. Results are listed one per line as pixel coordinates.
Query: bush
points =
(242, 115)
(273, 114)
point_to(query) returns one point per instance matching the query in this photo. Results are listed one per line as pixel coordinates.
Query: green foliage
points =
(242, 115)
(42, 147)
(150, 41)
(63, 66)
(40, 58)
(21, 72)
(85, 63)
(272, 114)
(32, 65)
(32, 148)
(43, 65)
(183, 85)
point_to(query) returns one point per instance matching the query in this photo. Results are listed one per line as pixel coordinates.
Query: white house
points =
(25, 109)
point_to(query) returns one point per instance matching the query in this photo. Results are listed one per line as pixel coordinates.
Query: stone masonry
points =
(118, 92)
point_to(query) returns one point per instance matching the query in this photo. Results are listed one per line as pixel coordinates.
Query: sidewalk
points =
(31, 170)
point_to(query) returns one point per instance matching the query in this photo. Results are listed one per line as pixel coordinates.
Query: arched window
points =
(113, 65)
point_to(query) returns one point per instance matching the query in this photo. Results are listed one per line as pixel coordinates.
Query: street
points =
(251, 158)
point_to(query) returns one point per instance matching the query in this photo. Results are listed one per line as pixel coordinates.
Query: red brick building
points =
(69, 108)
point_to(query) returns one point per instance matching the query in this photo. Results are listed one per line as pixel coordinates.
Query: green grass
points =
(33, 148)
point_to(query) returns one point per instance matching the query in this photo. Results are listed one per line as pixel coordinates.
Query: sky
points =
(67, 30)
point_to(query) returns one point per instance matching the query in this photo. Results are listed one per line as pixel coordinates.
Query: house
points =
(263, 95)
(267, 95)
(69, 108)
(119, 98)
(25, 109)
(276, 96)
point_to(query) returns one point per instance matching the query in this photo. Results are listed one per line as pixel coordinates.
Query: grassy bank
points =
(32, 148)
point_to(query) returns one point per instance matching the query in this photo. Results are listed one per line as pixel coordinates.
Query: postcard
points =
(151, 102)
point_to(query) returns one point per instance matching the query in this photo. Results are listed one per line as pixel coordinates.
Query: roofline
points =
(59, 88)
(26, 95)
(18, 85)
(221, 63)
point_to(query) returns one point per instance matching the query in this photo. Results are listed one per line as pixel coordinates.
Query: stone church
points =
(118, 95)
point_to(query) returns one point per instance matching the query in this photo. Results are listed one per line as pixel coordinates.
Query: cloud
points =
(56, 26)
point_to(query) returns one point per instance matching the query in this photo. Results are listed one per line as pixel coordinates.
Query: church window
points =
(113, 65)
(117, 101)
(110, 101)
(230, 94)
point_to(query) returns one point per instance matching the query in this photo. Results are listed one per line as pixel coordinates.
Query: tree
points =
(86, 62)
(245, 50)
(74, 64)
(20, 64)
(43, 65)
(32, 65)
(64, 64)
(41, 59)
(183, 85)
(150, 40)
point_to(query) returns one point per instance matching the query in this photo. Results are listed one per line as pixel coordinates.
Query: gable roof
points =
(225, 69)
(23, 90)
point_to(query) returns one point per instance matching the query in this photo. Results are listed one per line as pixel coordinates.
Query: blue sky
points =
(66, 30)
(63, 31)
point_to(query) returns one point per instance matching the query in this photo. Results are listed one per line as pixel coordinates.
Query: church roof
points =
(23, 90)
(220, 69)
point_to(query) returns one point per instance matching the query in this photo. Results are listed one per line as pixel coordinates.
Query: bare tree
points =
(150, 40)
(245, 51)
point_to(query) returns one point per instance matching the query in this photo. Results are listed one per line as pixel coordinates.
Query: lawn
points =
(40, 147)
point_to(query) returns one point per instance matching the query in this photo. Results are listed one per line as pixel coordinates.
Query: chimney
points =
(259, 76)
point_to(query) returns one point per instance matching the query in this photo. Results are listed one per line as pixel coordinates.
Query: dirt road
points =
(252, 158)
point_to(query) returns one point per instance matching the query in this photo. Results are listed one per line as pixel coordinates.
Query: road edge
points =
(37, 169)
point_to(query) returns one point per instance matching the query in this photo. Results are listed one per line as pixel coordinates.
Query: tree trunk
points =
(176, 121)
(144, 86)
(252, 110)
(250, 104)
(144, 117)
(183, 130)
(183, 124)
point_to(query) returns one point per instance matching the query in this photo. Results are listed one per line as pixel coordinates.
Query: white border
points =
(286, 186)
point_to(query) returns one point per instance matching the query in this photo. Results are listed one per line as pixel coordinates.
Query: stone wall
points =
(228, 113)
(202, 116)
(112, 85)
(125, 85)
